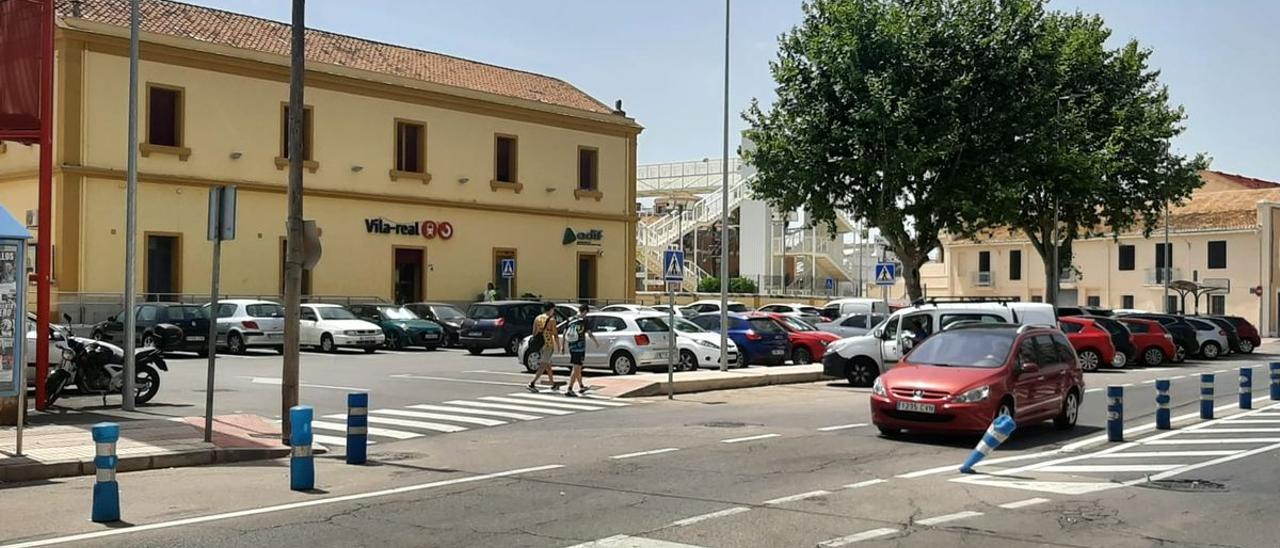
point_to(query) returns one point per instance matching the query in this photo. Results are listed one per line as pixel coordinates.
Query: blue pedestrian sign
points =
(673, 265)
(831, 284)
(508, 268)
(886, 273)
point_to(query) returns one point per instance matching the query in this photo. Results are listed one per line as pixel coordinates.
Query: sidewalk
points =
(52, 451)
(654, 384)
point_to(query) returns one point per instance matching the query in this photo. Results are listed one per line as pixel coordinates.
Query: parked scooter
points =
(97, 367)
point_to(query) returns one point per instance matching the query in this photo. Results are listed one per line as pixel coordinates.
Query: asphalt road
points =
(776, 466)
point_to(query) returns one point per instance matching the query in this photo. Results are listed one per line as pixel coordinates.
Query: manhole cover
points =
(723, 424)
(1186, 485)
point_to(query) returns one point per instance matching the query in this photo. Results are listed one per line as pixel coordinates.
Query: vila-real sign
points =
(426, 229)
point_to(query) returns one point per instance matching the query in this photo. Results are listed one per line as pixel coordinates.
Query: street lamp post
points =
(724, 208)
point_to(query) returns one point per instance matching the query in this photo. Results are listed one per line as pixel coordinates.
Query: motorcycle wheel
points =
(54, 384)
(146, 383)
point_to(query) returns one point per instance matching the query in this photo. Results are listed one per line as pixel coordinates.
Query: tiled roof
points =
(1240, 181)
(263, 35)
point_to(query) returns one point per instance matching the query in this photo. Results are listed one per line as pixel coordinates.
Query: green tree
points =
(1092, 153)
(895, 111)
(736, 285)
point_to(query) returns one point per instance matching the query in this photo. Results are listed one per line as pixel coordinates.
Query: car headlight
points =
(973, 396)
(350, 333)
(823, 343)
(877, 387)
(710, 345)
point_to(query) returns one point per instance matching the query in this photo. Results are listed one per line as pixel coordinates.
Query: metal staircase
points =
(656, 236)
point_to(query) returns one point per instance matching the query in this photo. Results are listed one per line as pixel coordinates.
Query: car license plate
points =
(431, 336)
(917, 407)
(275, 335)
(368, 340)
(195, 338)
(779, 352)
(475, 334)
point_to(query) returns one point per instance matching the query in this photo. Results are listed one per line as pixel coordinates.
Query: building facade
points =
(423, 171)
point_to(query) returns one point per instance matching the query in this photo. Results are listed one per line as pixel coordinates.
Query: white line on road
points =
(1023, 503)
(1177, 377)
(1254, 421)
(337, 441)
(1072, 447)
(438, 416)
(1110, 468)
(511, 373)
(1190, 467)
(277, 382)
(565, 399)
(712, 515)
(276, 508)
(645, 453)
(867, 483)
(1237, 430)
(857, 537)
(949, 517)
(1211, 441)
(541, 404)
(750, 438)
(525, 408)
(322, 425)
(1092, 390)
(1149, 381)
(448, 379)
(1125, 384)
(842, 427)
(1167, 454)
(801, 496)
(485, 412)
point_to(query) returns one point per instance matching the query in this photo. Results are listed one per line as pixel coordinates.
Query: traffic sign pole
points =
(673, 275)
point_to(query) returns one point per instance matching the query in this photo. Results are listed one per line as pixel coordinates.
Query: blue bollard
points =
(1206, 396)
(357, 427)
(1246, 388)
(1162, 404)
(106, 492)
(1115, 413)
(1275, 381)
(999, 431)
(302, 465)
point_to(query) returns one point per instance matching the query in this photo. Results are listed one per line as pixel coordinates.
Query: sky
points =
(665, 58)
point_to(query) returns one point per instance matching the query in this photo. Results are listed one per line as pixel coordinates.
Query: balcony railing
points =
(983, 279)
(1157, 276)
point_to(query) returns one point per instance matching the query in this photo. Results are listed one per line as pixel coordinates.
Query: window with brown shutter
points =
(164, 116)
(411, 154)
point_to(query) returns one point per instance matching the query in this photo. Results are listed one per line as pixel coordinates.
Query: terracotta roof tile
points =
(264, 35)
(1240, 181)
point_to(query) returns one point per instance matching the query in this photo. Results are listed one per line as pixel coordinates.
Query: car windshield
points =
(764, 325)
(811, 310)
(335, 313)
(483, 312)
(798, 325)
(652, 325)
(448, 313)
(686, 326)
(398, 313)
(738, 307)
(265, 310)
(187, 312)
(964, 348)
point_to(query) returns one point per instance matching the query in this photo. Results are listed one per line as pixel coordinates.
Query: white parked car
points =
(330, 326)
(713, 305)
(1212, 339)
(624, 342)
(249, 323)
(851, 325)
(699, 347)
(627, 308)
(807, 313)
(851, 305)
(29, 349)
(681, 311)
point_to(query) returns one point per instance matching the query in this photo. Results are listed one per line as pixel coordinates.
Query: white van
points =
(863, 358)
(853, 305)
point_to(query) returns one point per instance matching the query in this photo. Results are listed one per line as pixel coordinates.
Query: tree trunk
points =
(911, 276)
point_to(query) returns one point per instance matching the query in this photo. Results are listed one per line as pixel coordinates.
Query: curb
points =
(34, 471)
(737, 381)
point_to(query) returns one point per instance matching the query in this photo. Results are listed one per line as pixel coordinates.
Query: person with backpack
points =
(576, 337)
(545, 342)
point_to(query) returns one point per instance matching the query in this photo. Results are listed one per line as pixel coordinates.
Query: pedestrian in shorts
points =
(576, 337)
(544, 328)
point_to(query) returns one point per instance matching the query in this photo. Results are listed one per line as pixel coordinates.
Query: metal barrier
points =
(1115, 413)
(1246, 388)
(106, 491)
(1162, 404)
(302, 463)
(357, 427)
(1206, 396)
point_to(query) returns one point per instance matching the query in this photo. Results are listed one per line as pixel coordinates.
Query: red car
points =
(1153, 343)
(1093, 344)
(1249, 336)
(808, 344)
(961, 379)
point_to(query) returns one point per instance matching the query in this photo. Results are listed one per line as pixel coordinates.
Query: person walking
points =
(545, 342)
(490, 294)
(576, 337)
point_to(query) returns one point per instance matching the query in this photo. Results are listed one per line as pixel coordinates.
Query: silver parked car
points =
(624, 342)
(246, 323)
(801, 311)
(1212, 339)
(851, 325)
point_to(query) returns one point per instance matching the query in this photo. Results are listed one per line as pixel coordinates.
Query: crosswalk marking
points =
(540, 405)
(550, 397)
(1236, 430)
(1164, 454)
(1023, 503)
(422, 425)
(336, 441)
(485, 412)
(383, 432)
(948, 517)
(1254, 421)
(1111, 467)
(857, 537)
(1211, 441)
(525, 408)
(438, 416)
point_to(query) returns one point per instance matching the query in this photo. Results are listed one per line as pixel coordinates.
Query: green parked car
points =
(402, 327)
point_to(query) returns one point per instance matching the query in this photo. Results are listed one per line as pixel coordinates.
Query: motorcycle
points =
(97, 367)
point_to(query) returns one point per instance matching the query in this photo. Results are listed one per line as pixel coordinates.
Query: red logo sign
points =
(445, 230)
(431, 229)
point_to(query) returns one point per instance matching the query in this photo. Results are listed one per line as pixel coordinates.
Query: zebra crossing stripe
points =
(509, 407)
(381, 432)
(540, 404)
(439, 416)
(334, 441)
(485, 412)
(561, 399)
(421, 425)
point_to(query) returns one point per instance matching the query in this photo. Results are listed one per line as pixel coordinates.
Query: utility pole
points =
(724, 209)
(131, 216)
(1168, 261)
(293, 243)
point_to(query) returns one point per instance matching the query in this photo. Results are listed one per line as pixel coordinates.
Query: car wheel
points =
(1005, 408)
(513, 346)
(370, 349)
(1210, 350)
(801, 356)
(688, 362)
(474, 351)
(1180, 355)
(1153, 357)
(862, 373)
(1246, 346)
(888, 432)
(150, 340)
(394, 341)
(531, 360)
(235, 343)
(1089, 360)
(98, 336)
(742, 360)
(1120, 360)
(431, 348)
(1070, 412)
(623, 364)
(326, 343)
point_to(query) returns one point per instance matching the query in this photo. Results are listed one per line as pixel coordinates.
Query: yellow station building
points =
(423, 170)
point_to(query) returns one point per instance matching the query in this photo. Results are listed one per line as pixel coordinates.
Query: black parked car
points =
(1233, 334)
(1084, 311)
(155, 325)
(1121, 338)
(1184, 334)
(499, 324)
(448, 316)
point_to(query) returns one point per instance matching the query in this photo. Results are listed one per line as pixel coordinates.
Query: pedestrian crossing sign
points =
(886, 273)
(673, 265)
(508, 268)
